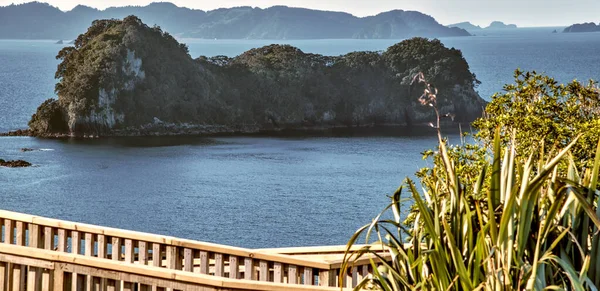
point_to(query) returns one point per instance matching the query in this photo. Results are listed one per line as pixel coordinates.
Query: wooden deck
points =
(38, 253)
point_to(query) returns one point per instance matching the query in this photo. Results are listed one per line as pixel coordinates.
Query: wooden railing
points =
(23, 268)
(143, 249)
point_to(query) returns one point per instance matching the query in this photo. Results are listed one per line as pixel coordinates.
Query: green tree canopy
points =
(536, 108)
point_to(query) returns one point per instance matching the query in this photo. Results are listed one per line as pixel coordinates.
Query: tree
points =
(536, 108)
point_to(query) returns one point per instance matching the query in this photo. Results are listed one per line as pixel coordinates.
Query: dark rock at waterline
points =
(19, 132)
(14, 164)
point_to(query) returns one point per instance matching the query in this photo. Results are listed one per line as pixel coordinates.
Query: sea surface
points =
(251, 191)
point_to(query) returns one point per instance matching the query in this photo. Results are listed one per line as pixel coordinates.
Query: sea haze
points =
(244, 191)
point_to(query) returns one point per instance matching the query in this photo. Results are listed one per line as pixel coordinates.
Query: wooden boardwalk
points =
(38, 253)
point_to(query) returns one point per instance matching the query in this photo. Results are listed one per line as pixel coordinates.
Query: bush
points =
(540, 112)
(529, 225)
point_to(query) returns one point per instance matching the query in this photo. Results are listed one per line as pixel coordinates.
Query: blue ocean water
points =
(243, 191)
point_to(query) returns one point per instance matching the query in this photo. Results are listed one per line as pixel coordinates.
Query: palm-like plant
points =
(519, 226)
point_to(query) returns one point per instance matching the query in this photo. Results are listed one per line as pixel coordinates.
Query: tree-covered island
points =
(125, 78)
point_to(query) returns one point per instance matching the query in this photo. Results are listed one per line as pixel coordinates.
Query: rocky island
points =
(468, 26)
(501, 25)
(124, 78)
(582, 27)
(472, 28)
(14, 164)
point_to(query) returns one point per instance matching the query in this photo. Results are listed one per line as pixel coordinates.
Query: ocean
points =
(248, 191)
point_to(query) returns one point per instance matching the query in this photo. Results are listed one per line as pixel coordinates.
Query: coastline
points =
(305, 131)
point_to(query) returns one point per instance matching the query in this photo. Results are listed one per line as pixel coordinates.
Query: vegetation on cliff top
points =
(122, 74)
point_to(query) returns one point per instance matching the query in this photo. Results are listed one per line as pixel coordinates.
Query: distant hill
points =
(36, 20)
(501, 25)
(470, 27)
(583, 27)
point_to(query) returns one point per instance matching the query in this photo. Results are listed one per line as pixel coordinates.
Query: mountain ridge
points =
(36, 20)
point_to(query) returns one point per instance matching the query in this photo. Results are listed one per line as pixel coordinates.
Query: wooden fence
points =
(79, 249)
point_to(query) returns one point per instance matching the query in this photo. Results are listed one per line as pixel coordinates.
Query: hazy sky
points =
(480, 12)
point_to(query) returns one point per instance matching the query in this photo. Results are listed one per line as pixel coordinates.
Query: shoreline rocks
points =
(18, 132)
(14, 164)
(173, 129)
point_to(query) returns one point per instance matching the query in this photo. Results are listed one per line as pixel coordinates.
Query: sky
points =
(524, 13)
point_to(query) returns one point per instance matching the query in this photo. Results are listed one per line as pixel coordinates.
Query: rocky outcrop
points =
(14, 164)
(125, 78)
(583, 27)
(471, 28)
(468, 26)
(19, 132)
(501, 25)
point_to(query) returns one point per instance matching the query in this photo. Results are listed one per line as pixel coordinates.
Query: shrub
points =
(516, 226)
(541, 112)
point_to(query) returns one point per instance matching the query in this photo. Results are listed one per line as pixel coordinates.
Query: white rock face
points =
(328, 116)
(132, 67)
(104, 114)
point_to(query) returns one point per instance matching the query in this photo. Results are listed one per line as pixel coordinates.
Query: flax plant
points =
(518, 226)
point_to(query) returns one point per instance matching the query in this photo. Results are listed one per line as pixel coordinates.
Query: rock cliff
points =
(125, 78)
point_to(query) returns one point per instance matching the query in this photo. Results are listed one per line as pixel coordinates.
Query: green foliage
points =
(443, 67)
(85, 65)
(536, 108)
(49, 118)
(293, 87)
(519, 234)
(507, 213)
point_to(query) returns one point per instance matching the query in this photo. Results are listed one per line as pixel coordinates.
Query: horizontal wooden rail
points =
(317, 250)
(23, 268)
(173, 253)
(154, 238)
(332, 255)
